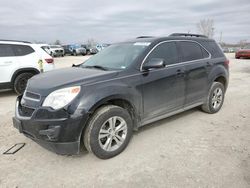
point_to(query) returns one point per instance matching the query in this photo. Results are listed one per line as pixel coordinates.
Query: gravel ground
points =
(191, 149)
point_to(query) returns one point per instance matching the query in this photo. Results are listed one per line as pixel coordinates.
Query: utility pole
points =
(220, 36)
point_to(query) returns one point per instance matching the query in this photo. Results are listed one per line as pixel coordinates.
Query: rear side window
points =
(204, 53)
(190, 51)
(6, 50)
(213, 48)
(166, 51)
(21, 50)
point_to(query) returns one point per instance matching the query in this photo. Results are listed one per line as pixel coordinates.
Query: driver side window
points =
(166, 51)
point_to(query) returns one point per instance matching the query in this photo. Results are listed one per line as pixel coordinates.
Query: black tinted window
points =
(204, 53)
(190, 51)
(5, 50)
(213, 48)
(166, 51)
(21, 50)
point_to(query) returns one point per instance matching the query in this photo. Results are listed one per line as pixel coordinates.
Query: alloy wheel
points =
(113, 133)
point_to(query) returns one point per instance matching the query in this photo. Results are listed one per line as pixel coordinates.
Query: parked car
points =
(100, 47)
(245, 53)
(56, 51)
(225, 50)
(123, 87)
(19, 62)
(74, 49)
(90, 50)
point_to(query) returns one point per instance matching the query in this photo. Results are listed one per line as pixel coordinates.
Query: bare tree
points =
(242, 43)
(91, 42)
(57, 42)
(206, 27)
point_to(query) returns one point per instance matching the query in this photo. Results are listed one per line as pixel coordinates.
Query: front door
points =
(164, 88)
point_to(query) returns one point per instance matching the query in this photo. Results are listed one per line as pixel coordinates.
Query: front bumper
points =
(57, 131)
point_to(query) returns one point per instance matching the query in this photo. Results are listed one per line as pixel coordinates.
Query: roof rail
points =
(142, 37)
(187, 35)
(5, 40)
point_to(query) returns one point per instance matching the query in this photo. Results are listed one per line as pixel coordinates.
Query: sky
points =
(110, 21)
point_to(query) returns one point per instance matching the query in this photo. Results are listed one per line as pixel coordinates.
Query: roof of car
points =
(4, 41)
(174, 36)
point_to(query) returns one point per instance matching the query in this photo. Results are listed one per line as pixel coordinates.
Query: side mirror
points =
(154, 63)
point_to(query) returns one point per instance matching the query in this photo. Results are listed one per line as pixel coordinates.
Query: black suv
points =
(122, 88)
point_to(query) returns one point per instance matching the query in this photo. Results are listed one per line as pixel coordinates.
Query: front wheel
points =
(20, 82)
(214, 99)
(108, 132)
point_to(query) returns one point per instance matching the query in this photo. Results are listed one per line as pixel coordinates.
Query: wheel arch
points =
(221, 79)
(23, 70)
(118, 101)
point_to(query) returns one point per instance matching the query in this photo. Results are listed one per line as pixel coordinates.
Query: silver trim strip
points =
(172, 65)
(157, 118)
(29, 98)
(179, 62)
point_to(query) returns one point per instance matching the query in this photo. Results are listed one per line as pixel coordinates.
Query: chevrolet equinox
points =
(127, 85)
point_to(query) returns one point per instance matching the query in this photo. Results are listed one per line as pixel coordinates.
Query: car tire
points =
(215, 98)
(100, 136)
(20, 82)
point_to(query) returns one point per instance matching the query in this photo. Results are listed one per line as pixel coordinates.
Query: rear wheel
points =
(20, 82)
(214, 99)
(108, 132)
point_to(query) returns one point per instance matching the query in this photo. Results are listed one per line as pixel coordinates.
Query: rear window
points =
(190, 51)
(213, 48)
(46, 49)
(6, 50)
(21, 50)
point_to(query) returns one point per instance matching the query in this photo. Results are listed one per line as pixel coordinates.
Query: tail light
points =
(227, 62)
(50, 60)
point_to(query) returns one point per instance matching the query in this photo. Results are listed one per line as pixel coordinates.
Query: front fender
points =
(97, 95)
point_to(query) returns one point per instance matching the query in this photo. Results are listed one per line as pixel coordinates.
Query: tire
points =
(100, 122)
(215, 98)
(20, 82)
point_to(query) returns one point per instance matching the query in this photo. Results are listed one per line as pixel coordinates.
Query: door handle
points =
(209, 64)
(180, 73)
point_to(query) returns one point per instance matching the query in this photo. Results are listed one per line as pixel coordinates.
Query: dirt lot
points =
(192, 149)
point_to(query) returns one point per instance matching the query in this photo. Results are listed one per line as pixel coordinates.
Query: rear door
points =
(163, 89)
(26, 56)
(196, 60)
(8, 63)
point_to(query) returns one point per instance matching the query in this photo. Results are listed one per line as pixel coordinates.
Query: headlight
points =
(61, 97)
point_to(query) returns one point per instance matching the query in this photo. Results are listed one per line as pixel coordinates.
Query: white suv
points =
(19, 61)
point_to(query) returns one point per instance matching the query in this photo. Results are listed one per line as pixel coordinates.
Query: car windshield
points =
(117, 56)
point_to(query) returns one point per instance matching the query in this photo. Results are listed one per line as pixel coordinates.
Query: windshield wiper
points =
(95, 66)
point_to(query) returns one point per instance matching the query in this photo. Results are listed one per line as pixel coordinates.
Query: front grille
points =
(25, 111)
(32, 95)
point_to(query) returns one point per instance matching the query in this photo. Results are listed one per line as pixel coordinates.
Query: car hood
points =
(47, 82)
